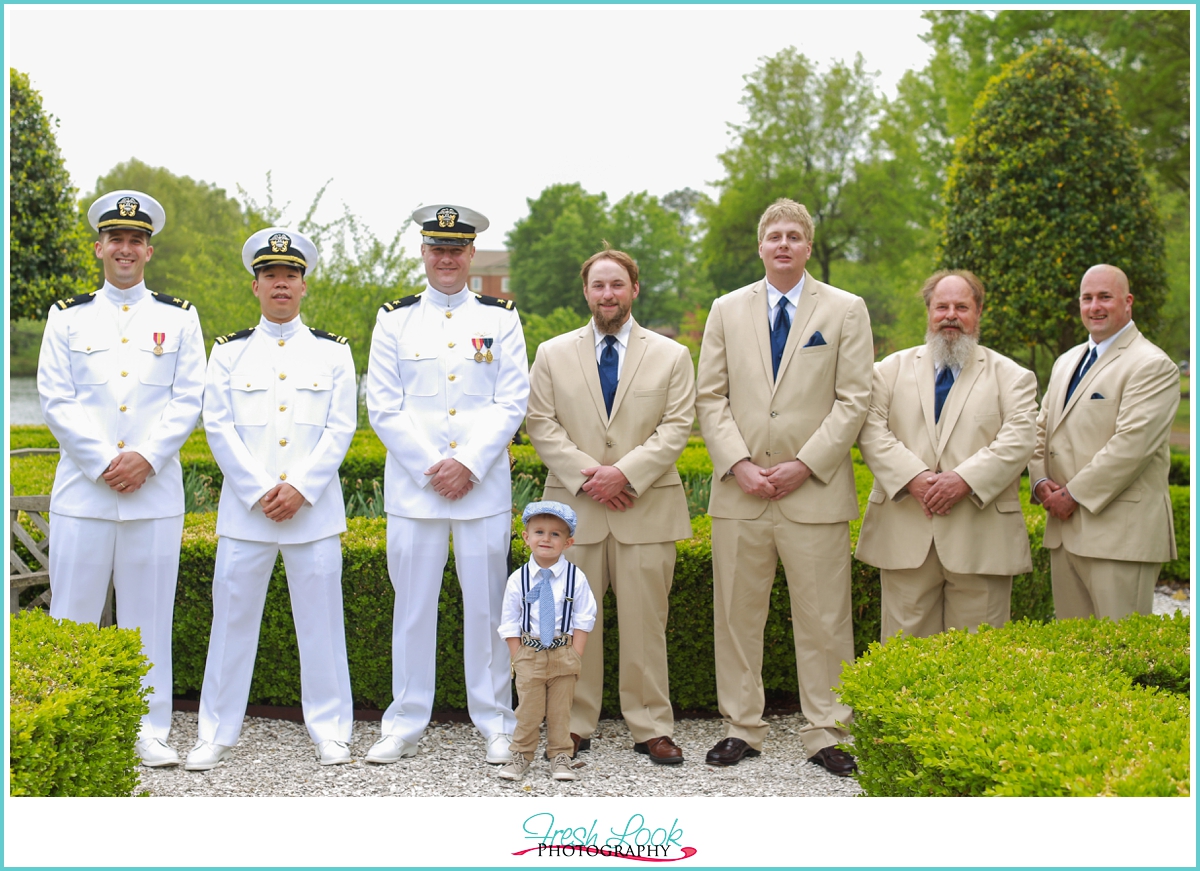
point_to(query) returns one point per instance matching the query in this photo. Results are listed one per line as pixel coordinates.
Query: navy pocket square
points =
(1097, 396)
(815, 340)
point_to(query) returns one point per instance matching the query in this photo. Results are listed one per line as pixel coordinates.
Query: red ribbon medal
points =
(159, 338)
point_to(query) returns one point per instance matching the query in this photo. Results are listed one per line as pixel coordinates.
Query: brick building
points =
(489, 274)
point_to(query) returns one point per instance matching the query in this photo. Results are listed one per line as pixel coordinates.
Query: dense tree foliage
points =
(49, 255)
(806, 135)
(1046, 183)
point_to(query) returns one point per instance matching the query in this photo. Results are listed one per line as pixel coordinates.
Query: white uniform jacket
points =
(120, 370)
(280, 405)
(429, 399)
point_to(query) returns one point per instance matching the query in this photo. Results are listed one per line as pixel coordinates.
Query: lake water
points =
(23, 406)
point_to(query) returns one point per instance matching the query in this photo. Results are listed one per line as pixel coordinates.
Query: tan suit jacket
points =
(812, 412)
(651, 420)
(986, 434)
(1109, 445)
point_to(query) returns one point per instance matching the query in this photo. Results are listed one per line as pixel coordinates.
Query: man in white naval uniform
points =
(280, 408)
(447, 384)
(121, 379)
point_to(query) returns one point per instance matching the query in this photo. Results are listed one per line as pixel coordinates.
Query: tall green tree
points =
(198, 253)
(1148, 51)
(1047, 182)
(50, 255)
(565, 226)
(656, 237)
(806, 136)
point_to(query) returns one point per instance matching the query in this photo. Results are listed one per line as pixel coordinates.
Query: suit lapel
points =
(633, 358)
(759, 318)
(925, 373)
(1113, 353)
(585, 345)
(809, 299)
(958, 397)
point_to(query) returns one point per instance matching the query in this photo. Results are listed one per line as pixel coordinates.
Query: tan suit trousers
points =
(545, 687)
(640, 575)
(930, 599)
(1090, 587)
(816, 562)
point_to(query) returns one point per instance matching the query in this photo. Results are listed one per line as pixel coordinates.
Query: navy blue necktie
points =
(779, 335)
(543, 595)
(1079, 373)
(941, 389)
(608, 372)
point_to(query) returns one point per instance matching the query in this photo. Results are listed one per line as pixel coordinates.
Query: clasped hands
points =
(281, 502)
(127, 472)
(451, 478)
(1056, 499)
(606, 484)
(771, 484)
(938, 492)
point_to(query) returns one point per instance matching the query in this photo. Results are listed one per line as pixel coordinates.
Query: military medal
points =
(478, 344)
(159, 338)
(487, 343)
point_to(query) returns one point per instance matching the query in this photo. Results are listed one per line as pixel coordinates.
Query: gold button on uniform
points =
(120, 444)
(283, 476)
(450, 345)
(124, 340)
(449, 314)
(283, 442)
(122, 408)
(124, 308)
(126, 375)
(281, 343)
(314, 384)
(454, 444)
(453, 412)
(451, 377)
(282, 376)
(283, 408)
(416, 353)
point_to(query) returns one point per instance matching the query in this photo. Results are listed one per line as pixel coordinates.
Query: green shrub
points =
(1180, 568)
(1078, 707)
(75, 701)
(1181, 469)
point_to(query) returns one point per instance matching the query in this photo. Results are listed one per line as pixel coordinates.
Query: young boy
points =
(547, 614)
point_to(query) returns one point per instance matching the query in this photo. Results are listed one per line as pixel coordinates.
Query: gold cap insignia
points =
(280, 243)
(447, 217)
(127, 207)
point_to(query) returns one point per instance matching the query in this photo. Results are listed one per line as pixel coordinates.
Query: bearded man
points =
(950, 427)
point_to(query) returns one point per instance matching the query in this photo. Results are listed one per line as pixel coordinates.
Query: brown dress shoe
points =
(730, 752)
(581, 744)
(835, 761)
(661, 750)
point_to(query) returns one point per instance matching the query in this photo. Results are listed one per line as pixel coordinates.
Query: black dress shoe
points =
(730, 752)
(835, 761)
(581, 744)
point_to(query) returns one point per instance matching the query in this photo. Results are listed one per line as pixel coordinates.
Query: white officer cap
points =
(279, 245)
(131, 210)
(565, 513)
(449, 225)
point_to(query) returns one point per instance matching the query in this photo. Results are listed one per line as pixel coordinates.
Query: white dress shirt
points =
(622, 343)
(792, 296)
(583, 616)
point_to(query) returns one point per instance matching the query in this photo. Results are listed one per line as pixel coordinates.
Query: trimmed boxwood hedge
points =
(368, 593)
(75, 702)
(1077, 707)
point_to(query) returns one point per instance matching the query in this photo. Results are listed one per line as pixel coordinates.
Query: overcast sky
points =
(408, 105)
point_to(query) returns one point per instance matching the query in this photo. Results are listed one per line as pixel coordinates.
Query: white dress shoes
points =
(389, 748)
(333, 752)
(497, 749)
(205, 756)
(155, 753)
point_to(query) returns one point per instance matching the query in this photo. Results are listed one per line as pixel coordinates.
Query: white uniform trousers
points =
(142, 558)
(417, 551)
(240, 581)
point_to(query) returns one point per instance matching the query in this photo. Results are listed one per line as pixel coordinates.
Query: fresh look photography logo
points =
(635, 839)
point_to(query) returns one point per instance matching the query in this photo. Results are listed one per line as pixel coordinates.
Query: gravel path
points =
(276, 758)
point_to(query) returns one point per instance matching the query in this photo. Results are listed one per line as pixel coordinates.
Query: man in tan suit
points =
(1102, 457)
(782, 390)
(950, 427)
(611, 406)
